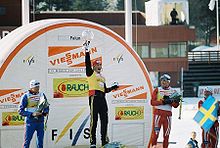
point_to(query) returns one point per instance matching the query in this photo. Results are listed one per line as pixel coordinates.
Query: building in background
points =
(10, 16)
(160, 12)
(162, 47)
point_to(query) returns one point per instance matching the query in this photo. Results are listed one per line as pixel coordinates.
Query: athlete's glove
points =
(167, 100)
(166, 97)
(36, 114)
(177, 100)
(86, 46)
(114, 87)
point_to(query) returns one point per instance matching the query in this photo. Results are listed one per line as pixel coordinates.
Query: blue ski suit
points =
(28, 105)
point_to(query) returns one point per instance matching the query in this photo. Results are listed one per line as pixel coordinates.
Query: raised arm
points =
(89, 70)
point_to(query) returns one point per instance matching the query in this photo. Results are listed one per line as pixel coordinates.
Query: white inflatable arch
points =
(50, 51)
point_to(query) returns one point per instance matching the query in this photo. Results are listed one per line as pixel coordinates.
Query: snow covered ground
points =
(181, 129)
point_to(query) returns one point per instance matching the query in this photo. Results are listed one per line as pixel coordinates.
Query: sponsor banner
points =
(68, 37)
(66, 71)
(128, 101)
(130, 92)
(9, 98)
(70, 87)
(8, 106)
(73, 129)
(215, 91)
(70, 56)
(12, 119)
(129, 113)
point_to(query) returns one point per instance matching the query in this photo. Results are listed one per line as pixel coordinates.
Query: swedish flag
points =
(208, 113)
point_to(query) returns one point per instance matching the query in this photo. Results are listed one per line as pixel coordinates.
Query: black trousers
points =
(98, 107)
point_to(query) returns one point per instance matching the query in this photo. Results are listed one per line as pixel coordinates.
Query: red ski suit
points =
(162, 115)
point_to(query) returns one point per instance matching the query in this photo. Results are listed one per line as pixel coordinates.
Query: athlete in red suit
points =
(209, 138)
(162, 113)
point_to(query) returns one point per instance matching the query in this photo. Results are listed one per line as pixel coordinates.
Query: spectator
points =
(193, 142)
(173, 15)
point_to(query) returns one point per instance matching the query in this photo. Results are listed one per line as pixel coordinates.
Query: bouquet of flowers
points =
(42, 104)
(176, 96)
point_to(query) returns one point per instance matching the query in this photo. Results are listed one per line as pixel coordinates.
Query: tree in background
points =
(203, 19)
(140, 4)
(86, 5)
(89, 5)
(70, 5)
(51, 5)
(112, 5)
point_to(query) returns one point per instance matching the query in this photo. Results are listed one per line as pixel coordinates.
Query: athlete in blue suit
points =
(34, 121)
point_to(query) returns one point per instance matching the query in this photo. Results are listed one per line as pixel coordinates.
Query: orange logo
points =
(11, 119)
(127, 92)
(11, 98)
(69, 57)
